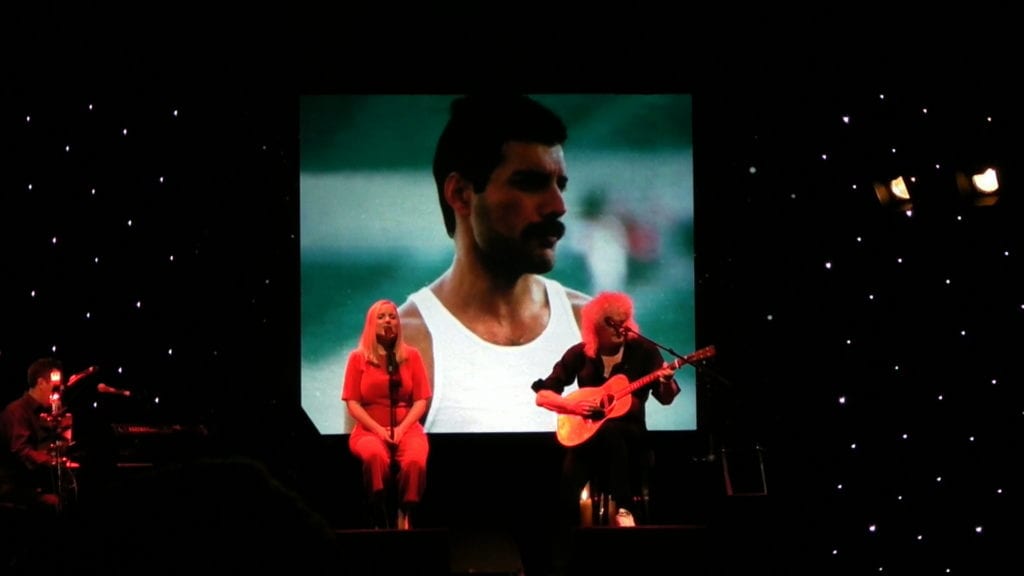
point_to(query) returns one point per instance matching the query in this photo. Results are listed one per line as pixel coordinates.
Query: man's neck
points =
(499, 312)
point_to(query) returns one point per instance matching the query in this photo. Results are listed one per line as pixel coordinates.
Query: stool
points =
(602, 508)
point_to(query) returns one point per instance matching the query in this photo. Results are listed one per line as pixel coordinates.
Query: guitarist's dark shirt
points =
(639, 358)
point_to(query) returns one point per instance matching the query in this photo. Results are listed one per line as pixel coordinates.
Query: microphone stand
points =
(627, 330)
(712, 453)
(394, 384)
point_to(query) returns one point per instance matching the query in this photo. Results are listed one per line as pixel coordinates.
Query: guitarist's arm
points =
(556, 403)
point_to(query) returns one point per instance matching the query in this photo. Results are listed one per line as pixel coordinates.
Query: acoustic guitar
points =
(614, 399)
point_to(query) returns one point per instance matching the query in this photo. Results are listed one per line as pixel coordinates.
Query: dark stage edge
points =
(684, 549)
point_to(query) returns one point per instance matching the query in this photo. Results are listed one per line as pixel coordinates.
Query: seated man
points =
(28, 431)
(611, 440)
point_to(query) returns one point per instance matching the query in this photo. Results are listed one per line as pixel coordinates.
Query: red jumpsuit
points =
(368, 384)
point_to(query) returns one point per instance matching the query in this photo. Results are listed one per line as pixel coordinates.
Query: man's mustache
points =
(545, 229)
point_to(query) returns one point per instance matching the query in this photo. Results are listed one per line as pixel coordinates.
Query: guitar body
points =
(614, 397)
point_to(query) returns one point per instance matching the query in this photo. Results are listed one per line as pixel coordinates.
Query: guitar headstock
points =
(702, 354)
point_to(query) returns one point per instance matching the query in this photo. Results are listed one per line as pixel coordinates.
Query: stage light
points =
(982, 187)
(986, 182)
(896, 192)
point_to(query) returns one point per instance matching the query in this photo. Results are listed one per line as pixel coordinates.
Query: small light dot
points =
(129, 223)
(872, 528)
(67, 148)
(896, 367)
(170, 351)
(161, 179)
(853, 446)
(828, 265)
(940, 396)
(842, 399)
(33, 293)
(899, 260)
(90, 106)
(948, 281)
(96, 260)
(93, 191)
(848, 341)
(904, 436)
(124, 132)
(846, 119)
(963, 332)
(138, 304)
(752, 169)
(88, 315)
(172, 258)
(938, 478)
(970, 439)
(771, 317)
(29, 186)
(920, 537)
(824, 156)
(977, 529)
(175, 113)
(28, 118)
(839, 486)
(54, 240)
(993, 381)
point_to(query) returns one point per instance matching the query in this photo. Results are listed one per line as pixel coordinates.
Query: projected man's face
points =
(517, 219)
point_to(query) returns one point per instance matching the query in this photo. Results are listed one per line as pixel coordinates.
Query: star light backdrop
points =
(866, 347)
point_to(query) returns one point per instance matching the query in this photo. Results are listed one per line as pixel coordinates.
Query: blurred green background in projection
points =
(370, 226)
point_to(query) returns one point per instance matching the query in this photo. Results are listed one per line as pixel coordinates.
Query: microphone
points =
(390, 338)
(104, 389)
(79, 375)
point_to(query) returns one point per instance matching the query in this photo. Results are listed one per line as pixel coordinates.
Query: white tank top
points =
(484, 387)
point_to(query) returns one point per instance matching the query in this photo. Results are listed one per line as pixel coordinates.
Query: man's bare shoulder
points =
(578, 300)
(415, 334)
(412, 321)
(576, 297)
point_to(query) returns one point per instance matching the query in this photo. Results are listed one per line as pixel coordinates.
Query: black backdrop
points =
(862, 349)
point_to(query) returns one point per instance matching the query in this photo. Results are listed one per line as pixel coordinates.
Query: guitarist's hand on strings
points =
(587, 407)
(664, 375)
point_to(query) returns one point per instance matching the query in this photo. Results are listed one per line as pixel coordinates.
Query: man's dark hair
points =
(41, 368)
(478, 128)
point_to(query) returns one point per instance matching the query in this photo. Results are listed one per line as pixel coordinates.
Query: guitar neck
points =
(644, 381)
